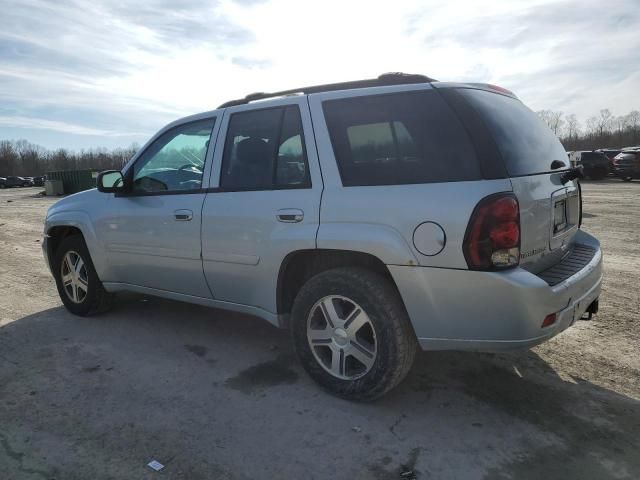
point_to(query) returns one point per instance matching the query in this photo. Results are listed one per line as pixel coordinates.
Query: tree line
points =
(605, 130)
(21, 158)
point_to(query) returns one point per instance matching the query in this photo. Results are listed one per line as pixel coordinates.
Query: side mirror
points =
(110, 181)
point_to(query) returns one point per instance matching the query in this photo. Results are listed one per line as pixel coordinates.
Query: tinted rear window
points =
(399, 138)
(527, 145)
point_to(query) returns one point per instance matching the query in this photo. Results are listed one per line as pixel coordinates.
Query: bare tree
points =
(553, 120)
(633, 122)
(603, 122)
(9, 158)
(592, 126)
(23, 158)
(572, 126)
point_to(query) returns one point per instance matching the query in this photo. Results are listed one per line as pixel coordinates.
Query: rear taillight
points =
(549, 320)
(492, 240)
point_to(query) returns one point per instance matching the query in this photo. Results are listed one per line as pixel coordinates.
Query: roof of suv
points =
(386, 79)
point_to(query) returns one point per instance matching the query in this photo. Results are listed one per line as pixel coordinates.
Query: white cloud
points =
(63, 127)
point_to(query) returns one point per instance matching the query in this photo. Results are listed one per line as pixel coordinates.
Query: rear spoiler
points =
(495, 88)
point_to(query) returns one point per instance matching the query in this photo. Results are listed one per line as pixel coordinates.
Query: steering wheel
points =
(150, 184)
(190, 165)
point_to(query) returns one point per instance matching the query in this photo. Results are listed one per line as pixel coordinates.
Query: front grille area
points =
(569, 265)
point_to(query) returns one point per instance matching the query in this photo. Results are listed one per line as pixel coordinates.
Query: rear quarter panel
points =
(381, 220)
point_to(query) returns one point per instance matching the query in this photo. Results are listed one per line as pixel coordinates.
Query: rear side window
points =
(264, 150)
(526, 144)
(399, 138)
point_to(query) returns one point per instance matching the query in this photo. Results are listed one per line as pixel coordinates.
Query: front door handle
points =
(183, 215)
(290, 215)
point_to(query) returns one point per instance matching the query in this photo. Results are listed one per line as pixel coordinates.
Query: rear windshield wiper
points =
(572, 174)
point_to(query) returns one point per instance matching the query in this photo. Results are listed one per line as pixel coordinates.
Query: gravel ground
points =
(216, 395)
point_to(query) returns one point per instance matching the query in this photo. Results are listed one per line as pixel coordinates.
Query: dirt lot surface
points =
(214, 395)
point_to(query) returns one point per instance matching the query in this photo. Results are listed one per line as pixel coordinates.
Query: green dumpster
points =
(75, 180)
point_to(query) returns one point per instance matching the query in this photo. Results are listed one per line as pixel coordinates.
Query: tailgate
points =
(535, 161)
(549, 217)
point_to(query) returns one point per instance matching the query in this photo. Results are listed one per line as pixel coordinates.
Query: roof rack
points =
(394, 78)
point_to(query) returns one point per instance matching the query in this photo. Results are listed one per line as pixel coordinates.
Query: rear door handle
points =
(183, 215)
(290, 215)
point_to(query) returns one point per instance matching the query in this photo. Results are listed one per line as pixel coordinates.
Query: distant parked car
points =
(611, 154)
(16, 182)
(38, 181)
(626, 165)
(596, 164)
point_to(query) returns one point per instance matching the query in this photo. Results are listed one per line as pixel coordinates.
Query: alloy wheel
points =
(342, 337)
(75, 279)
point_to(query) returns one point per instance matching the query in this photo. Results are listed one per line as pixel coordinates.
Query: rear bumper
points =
(626, 171)
(467, 310)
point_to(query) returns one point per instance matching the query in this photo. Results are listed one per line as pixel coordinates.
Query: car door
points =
(264, 202)
(152, 239)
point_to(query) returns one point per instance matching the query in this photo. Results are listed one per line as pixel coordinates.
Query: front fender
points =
(81, 221)
(381, 241)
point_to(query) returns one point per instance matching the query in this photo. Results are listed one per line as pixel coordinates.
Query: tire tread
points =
(100, 300)
(381, 292)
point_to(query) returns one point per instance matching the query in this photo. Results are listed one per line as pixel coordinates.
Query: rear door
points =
(549, 209)
(264, 202)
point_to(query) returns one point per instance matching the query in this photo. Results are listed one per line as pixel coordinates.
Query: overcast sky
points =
(83, 73)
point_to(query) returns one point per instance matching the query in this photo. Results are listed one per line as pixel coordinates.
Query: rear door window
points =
(399, 138)
(525, 142)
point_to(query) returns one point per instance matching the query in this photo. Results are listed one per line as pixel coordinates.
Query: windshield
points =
(527, 145)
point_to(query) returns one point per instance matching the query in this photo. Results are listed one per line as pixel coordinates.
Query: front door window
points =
(175, 161)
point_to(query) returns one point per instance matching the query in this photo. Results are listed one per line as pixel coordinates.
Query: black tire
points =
(626, 179)
(97, 299)
(396, 341)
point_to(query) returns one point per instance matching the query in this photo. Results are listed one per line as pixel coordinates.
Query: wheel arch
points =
(55, 236)
(299, 266)
(64, 224)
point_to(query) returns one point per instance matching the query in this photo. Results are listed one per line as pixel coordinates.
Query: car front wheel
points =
(78, 284)
(352, 333)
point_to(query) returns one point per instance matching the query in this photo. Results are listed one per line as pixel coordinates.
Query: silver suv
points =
(369, 217)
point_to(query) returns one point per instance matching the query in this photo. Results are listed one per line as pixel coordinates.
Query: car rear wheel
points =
(352, 333)
(627, 179)
(78, 284)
